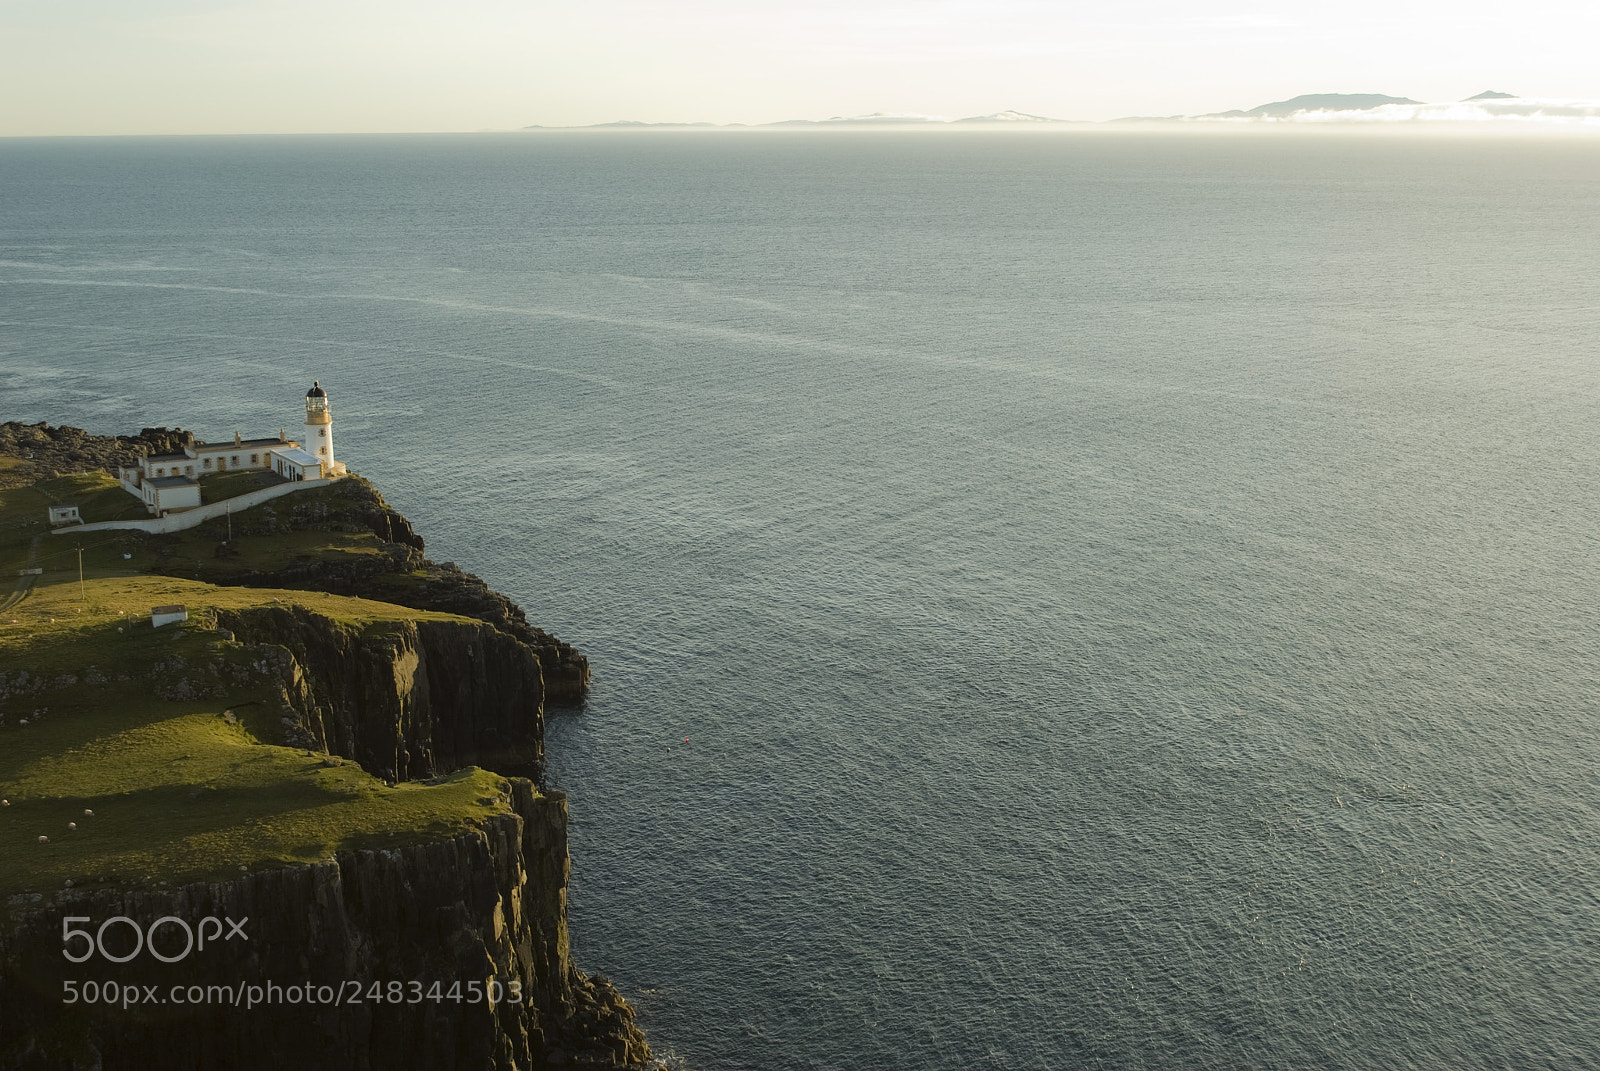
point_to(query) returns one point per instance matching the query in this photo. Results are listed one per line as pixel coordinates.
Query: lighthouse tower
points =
(319, 428)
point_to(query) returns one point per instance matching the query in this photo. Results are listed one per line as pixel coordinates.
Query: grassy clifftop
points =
(174, 738)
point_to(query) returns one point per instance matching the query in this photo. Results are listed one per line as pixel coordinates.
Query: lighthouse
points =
(170, 483)
(319, 427)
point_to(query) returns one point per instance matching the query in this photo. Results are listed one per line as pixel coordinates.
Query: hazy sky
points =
(251, 66)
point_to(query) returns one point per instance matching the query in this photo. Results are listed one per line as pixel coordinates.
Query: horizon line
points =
(1483, 112)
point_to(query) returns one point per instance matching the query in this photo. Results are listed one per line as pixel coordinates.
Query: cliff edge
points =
(303, 827)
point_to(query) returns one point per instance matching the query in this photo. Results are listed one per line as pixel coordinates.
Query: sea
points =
(1119, 599)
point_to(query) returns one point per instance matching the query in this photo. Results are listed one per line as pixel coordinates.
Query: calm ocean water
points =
(1131, 600)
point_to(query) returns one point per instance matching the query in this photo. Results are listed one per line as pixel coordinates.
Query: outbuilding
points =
(293, 463)
(165, 494)
(168, 615)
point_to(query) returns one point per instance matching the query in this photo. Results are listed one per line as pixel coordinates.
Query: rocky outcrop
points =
(448, 589)
(406, 700)
(329, 955)
(349, 505)
(46, 451)
(401, 574)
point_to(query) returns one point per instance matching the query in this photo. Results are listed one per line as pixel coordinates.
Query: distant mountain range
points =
(1309, 107)
(1315, 102)
(1007, 118)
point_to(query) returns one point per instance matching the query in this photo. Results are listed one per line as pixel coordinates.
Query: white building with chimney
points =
(167, 483)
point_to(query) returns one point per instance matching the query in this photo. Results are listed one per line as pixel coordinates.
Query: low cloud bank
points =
(1519, 110)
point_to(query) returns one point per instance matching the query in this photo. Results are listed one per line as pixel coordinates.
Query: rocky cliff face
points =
(449, 589)
(405, 700)
(354, 505)
(334, 938)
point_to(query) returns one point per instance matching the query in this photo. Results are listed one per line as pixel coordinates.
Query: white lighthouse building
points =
(171, 482)
(312, 457)
(319, 425)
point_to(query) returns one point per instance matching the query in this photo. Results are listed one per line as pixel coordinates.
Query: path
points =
(25, 581)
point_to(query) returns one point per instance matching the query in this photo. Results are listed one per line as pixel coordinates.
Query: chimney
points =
(237, 440)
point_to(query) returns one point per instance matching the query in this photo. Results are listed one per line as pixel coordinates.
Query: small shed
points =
(293, 463)
(168, 615)
(60, 515)
(167, 494)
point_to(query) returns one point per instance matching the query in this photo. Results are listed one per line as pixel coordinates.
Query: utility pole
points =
(230, 523)
(82, 594)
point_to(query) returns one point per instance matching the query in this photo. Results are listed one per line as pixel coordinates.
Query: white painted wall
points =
(168, 498)
(185, 467)
(319, 441)
(177, 522)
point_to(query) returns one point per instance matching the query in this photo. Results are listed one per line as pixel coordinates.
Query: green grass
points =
(73, 642)
(64, 629)
(195, 554)
(179, 792)
(192, 553)
(24, 511)
(220, 486)
(114, 553)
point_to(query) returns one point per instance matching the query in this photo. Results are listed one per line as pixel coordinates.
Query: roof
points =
(298, 456)
(174, 608)
(243, 444)
(316, 390)
(163, 458)
(173, 481)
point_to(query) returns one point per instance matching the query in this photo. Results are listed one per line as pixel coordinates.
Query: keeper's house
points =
(168, 483)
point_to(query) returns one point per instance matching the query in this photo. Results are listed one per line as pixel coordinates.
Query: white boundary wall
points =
(189, 518)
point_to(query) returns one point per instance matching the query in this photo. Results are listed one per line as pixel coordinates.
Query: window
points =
(322, 432)
(188, 470)
(161, 472)
(235, 460)
(207, 463)
(255, 459)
